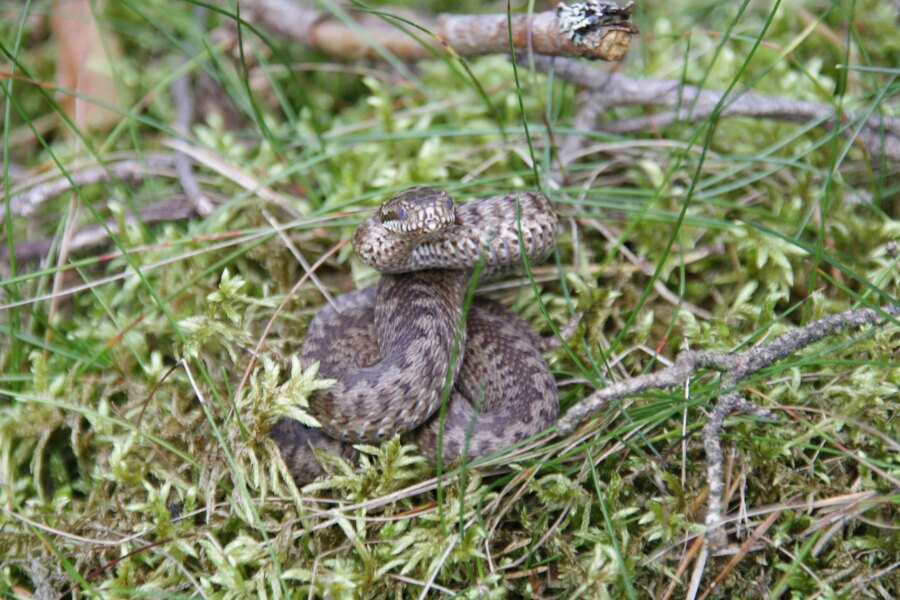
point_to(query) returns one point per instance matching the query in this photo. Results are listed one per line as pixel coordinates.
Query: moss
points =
(134, 453)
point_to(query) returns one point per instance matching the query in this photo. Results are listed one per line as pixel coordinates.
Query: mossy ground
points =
(134, 460)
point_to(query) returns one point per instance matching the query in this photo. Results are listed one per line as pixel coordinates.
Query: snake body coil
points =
(389, 347)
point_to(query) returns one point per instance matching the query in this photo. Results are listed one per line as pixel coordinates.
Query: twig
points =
(93, 236)
(587, 118)
(436, 568)
(686, 559)
(25, 202)
(878, 134)
(712, 444)
(62, 256)
(647, 269)
(467, 35)
(184, 118)
(434, 586)
(735, 368)
(738, 365)
(552, 530)
(867, 577)
(215, 161)
(262, 338)
(72, 537)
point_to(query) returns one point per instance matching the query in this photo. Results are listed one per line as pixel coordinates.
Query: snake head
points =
(418, 211)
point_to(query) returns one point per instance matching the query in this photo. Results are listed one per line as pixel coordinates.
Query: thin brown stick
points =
(647, 269)
(279, 228)
(262, 338)
(467, 35)
(741, 554)
(62, 257)
(682, 567)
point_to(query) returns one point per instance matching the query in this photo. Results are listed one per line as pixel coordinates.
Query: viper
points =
(392, 348)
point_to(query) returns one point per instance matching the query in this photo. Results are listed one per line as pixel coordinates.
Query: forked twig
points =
(605, 38)
(878, 134)
(735, 368)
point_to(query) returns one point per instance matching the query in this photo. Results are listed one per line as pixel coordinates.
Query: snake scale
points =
(389, 347)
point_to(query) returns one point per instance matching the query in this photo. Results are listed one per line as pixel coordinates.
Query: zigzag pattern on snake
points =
(388, 347)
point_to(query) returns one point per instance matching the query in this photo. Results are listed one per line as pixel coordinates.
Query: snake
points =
(393, 347)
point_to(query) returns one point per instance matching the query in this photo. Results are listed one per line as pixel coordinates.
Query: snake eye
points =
(402, 213)
(448, 202)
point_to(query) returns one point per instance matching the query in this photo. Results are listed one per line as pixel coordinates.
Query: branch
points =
(878, 134)
(715, 460)
(26, 202)
(735, 368)
(738, 366)
(183, 95)
(591, 29)
(93, 236)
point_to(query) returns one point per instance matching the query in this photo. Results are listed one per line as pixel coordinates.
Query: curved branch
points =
(26, 199)
(878, 134)
(737, 366)
(607, 37)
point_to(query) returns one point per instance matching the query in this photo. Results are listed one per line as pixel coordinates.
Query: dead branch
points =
(735, 367)
(729, 403)
(183, 95)
(738, 365)
(605, 33)
(878, 134)
(94, 236)
(25, 201)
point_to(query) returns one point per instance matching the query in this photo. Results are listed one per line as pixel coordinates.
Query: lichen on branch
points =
(598, 30)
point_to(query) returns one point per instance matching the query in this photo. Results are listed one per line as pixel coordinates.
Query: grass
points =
(134, 458)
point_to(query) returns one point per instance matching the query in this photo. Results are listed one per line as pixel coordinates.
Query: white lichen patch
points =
(584, 18)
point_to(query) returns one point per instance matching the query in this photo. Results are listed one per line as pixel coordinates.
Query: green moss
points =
(134, 450)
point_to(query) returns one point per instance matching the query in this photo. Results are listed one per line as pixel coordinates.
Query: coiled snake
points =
(389, 347)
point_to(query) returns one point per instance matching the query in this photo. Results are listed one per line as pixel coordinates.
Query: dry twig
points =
(735, 368)
(184, 118)
(878, 134)
(94, 236)
(25, 202)
(605, 39)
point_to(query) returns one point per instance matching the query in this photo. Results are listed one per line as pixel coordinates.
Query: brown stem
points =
(95, 235)
(26, 201)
